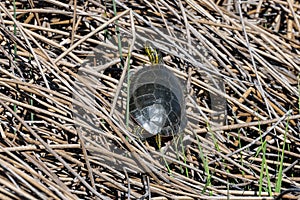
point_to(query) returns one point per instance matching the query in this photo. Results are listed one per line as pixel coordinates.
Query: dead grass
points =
(63, 72)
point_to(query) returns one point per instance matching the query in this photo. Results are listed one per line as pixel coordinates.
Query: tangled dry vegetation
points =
(64, 68)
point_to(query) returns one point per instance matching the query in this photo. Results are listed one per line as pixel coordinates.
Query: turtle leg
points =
(139, 131)
(158, 141)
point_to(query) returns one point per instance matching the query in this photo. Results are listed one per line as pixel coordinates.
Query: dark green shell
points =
(157, 101)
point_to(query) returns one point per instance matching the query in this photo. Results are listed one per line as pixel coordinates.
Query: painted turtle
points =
(156, 98)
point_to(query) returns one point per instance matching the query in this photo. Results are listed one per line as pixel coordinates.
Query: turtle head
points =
(154, 55)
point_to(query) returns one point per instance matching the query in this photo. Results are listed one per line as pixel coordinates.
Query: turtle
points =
(157, 102)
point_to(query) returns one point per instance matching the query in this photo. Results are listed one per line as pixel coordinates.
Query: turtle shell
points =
(157, 101)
